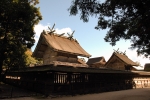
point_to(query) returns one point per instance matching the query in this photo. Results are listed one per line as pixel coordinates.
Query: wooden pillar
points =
(83, 82)
(69, 78)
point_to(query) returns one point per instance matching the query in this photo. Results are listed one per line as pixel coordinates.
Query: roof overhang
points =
(58, 44)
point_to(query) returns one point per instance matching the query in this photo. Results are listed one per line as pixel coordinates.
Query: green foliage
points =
(30, 61)
(17, 20)
(125, 19)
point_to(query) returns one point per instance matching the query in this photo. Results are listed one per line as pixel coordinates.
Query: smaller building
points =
(96, 62)
(120, 61)
(147, 67)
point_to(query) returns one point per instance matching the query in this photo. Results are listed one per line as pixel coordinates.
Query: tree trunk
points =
(1, 63)
(2, 55)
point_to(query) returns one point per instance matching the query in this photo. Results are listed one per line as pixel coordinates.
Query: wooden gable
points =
(59, 50)
(58, 43)
(119, 61)
(147, 67)
(96, 62)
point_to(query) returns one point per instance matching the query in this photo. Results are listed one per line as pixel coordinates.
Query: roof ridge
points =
(58, 35)
(96, 57)
(120, 54)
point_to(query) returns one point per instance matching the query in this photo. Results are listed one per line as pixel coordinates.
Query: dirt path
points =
(133, 94)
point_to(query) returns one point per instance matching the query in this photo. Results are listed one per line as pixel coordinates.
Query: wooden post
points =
(69, 77)
(53, 82)
(83, 82)
(11, 92)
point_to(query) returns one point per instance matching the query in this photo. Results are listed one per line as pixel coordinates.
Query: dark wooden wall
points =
(52, 82)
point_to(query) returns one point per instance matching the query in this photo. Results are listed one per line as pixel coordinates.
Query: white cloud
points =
(38, 29)
(64, 30)
(132, 54)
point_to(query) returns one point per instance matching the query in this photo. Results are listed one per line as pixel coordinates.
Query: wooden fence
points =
(49, 82)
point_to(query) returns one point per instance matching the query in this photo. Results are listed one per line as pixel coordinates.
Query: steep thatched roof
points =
(59, 44)
(122, 58)
(96, 60)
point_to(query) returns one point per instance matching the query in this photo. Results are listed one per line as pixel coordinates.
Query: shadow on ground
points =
(8, 91)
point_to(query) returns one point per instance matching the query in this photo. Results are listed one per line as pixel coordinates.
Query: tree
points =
(125, 19)
(17, 19)
(30, 60)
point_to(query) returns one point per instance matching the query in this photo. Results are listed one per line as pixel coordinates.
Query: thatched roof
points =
(96, 60)
(59, 44)
(121, 57)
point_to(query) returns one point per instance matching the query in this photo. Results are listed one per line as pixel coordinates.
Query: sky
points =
(92, 40)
